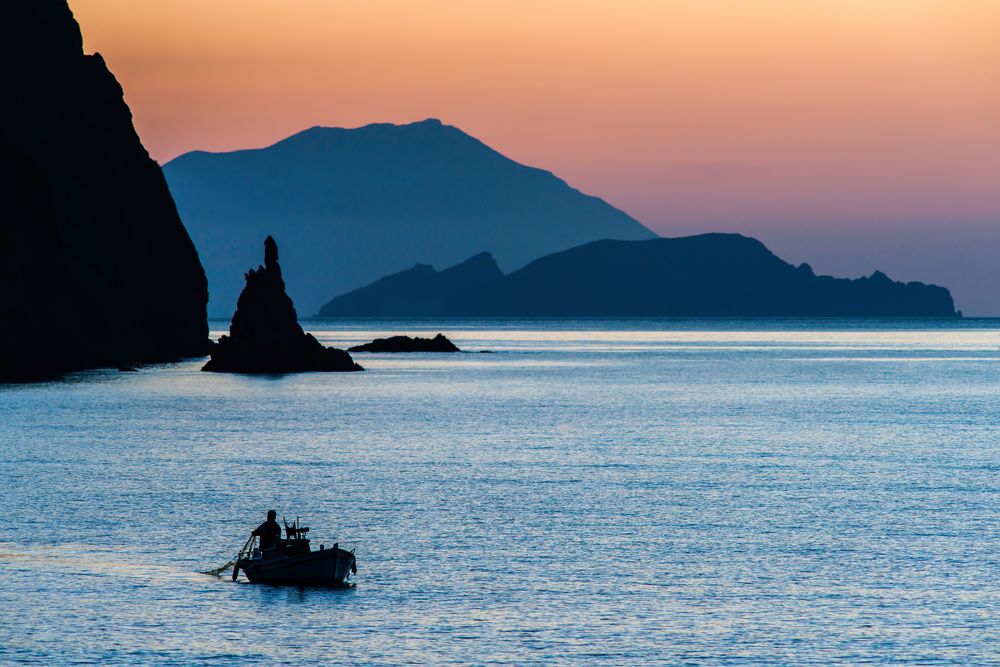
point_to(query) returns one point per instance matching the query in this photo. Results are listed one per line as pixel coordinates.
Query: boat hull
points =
(327, 567)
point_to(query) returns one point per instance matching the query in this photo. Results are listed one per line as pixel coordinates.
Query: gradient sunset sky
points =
(853, 134)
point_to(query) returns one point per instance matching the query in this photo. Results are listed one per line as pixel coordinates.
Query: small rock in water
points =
(407, 344)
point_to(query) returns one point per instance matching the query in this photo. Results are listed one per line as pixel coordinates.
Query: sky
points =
(855, 135)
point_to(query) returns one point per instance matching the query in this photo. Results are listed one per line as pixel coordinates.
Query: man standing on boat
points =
(269, 532)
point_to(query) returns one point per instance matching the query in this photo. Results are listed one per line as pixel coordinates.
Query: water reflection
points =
(264, 594)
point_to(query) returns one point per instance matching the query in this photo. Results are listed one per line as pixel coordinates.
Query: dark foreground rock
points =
(407, 344)
(96, 269)
(265, 336)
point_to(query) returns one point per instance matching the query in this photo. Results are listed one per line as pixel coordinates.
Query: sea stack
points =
(96, 268)
(265, 336)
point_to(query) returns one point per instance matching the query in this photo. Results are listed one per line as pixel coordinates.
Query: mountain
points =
(95, 266)
(710, 275)
(420, 291)
(351, 205)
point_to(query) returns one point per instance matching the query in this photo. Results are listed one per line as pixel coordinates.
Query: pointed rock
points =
(265, 336)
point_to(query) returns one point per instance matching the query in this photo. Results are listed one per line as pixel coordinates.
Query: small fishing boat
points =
(293, 563)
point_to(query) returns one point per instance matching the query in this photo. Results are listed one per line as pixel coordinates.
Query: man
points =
(269, 532)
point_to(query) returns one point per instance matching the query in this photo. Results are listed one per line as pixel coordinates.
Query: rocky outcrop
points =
(265, 336)
(710, 275)
(407, 344)
(96, 268)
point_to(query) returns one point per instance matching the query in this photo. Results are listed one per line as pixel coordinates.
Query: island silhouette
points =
(709, 275)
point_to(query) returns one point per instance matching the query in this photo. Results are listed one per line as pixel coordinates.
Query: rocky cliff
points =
(95, 266)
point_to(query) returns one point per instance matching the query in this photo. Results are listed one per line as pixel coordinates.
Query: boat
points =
(293, 563)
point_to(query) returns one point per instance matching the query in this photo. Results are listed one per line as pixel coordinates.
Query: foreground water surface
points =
(765, 493)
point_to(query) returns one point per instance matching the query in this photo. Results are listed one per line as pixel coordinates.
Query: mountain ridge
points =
(705, 275)
(322, 130)
(352, 204)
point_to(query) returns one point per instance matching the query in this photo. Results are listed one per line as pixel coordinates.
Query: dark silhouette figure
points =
(269, 532)
(96, 268)
(710, 275)
(407, 344)
(265, 336)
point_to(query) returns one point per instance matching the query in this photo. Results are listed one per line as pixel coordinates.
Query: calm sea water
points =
(718, 493)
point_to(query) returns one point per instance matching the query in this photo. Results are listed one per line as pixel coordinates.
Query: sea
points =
(639, 492)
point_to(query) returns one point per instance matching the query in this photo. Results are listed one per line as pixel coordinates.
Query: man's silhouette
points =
(269, 532)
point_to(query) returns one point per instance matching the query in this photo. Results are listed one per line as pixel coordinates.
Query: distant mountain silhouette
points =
(710, 275)
(95, 266)
(421, 291)
(351, 205)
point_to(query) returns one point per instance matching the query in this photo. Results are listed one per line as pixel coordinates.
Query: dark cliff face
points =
(711, 275)
(95, 266)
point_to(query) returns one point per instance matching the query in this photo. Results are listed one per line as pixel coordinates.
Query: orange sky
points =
(688, 114)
